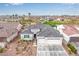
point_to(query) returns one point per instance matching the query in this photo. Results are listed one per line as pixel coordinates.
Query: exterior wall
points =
(58, 19)
(30, 37)
(2, 44)
(59, 28)
(19, 27)
(77, 27)
(66, 38)
(12, 37)
(78, 52)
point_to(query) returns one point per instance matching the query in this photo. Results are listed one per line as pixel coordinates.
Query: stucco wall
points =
(2, 44)
(30, 37)
(66, 38)
(12, 37)
(19, 27)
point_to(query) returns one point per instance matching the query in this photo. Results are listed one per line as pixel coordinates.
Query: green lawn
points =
(53, 23)
(67, 22)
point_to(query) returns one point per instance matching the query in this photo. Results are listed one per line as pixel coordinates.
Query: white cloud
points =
(14, 4)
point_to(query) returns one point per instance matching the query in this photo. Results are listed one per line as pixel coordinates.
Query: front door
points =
(35, 36)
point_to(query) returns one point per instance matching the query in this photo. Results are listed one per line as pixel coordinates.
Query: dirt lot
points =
(20, 48)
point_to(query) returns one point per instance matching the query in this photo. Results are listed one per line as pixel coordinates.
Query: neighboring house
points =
(70, 32)
(8, 31)
(51, 19)
(10, 18)
(46, 36)
(60, 19)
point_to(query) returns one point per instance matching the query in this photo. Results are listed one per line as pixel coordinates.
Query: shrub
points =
(72, 48)
(1, 50)
(69, 50)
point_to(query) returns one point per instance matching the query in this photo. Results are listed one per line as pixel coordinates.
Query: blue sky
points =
(39, 8)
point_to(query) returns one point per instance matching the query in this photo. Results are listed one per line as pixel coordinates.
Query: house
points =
(38, 30)
(47, 38)
(60, 19)
(70, 32)
(49, 43)
(8, 31)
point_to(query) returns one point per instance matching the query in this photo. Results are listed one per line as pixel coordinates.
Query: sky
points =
(39, 8)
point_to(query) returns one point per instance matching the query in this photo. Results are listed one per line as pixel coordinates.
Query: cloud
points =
(14, 4)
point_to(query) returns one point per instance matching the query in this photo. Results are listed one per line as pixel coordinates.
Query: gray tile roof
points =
(27, 32)
(50, 32)
(37, 26)
(46, 30)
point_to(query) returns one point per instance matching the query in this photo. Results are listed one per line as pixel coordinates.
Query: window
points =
(26, 36)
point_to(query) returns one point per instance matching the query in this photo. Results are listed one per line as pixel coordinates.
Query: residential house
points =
(47, 38)
(70, 32)
(60, 19)
(8, 31)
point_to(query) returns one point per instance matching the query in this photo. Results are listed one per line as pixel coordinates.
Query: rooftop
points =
(8, 28)
(70, 30)
(45, 30)
(52, 50)
(50, 32)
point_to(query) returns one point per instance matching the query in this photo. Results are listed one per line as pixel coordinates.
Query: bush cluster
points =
(1, 50)
(72, 48)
